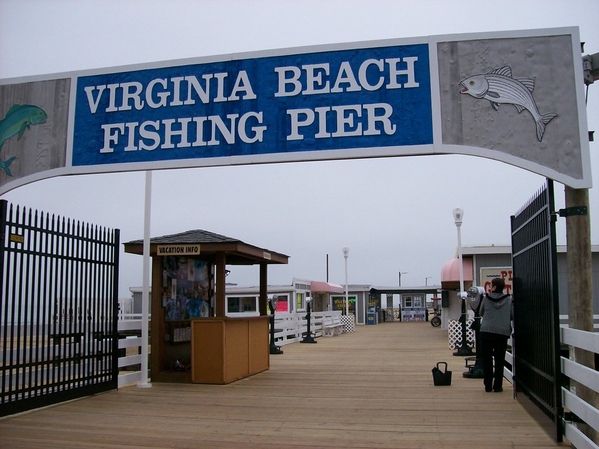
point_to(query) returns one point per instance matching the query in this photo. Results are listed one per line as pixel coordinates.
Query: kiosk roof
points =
(237, 252)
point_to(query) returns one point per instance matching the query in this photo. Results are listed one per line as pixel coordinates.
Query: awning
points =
(450, 273)
(325, 287)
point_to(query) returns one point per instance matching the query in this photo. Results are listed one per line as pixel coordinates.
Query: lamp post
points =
(345, 255)
(426, 295)
(308, 337)
(274, 349)
(464, 349)
(400, 273)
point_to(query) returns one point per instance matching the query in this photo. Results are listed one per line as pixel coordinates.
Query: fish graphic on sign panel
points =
(500, 87)
(17, 120)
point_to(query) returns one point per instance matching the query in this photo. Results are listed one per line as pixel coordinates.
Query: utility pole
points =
(579, 256)
(580, 285)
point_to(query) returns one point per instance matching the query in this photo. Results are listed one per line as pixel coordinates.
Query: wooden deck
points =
(369, 389)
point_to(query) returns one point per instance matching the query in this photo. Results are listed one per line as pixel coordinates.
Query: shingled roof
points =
(194, 236)
(236, 251)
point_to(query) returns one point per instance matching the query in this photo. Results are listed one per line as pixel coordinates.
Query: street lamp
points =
(464, 349)
(274, 349)
(345, 255)
(400, 273)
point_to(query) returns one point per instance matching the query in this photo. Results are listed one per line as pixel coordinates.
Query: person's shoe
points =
(498, 390)
(488, 389)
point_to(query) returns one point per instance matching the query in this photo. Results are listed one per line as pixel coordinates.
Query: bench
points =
(331, 326)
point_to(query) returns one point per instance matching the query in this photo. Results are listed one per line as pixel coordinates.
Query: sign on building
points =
(488, 274)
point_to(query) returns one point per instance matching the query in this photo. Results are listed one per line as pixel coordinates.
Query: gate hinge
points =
(572, 417)
(569, 211)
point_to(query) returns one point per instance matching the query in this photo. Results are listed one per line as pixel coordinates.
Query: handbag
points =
(441, 377)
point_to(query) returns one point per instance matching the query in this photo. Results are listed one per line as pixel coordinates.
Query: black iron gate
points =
(58, 315)
(536, 308)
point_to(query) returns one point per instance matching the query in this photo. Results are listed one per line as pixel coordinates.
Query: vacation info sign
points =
(516, 97)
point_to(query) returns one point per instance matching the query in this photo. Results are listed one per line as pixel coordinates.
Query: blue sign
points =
(398, 97)
(329, 100)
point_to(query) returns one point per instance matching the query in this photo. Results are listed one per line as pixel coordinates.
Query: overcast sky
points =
(394, 214)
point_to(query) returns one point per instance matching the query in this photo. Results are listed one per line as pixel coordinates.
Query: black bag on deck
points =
(441, 377)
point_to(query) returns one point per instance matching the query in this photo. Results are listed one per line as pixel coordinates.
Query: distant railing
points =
(290, 327)
(129, 316)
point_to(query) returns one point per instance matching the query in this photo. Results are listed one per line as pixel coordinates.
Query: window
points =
(417, 301)
(233, 304)
(248, 304)
(299, 301)
(237, 304)
(283, 303)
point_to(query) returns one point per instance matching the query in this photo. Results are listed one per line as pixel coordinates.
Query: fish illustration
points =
(18, 119)
(4, 165)
(500, 87)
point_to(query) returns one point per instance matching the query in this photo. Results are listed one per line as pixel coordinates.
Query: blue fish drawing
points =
(5, 165)
(17, 120)
(500, 87)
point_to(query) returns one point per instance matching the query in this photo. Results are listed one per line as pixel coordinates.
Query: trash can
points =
(371, 317)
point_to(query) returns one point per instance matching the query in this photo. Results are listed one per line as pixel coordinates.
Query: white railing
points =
(584, 375)
(589, 341)
(509, 358)
(289, 328)
(563, 321)
(129, 316)
(130, 365)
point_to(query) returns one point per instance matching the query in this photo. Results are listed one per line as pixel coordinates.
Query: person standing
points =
(495, 329)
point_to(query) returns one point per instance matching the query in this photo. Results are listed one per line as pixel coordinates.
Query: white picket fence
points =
(289, 328)
(588, 377)
(130, 365)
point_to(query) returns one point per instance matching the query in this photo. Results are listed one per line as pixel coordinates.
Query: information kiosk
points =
(191, 338)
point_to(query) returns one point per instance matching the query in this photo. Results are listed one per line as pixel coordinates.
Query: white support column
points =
(145, 296)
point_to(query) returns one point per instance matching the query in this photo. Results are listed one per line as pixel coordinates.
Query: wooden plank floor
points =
(369, 389)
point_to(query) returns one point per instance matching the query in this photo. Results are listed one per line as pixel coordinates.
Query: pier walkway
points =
(369, 389)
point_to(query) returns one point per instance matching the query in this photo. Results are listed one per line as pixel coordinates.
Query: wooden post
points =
(580, 274)
(157, 357)
(220, 284)
(263, 299)
(580, 285)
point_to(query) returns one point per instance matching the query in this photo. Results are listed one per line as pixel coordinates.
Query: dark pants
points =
(493, 346)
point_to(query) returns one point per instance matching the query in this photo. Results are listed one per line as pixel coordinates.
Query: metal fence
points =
(58, 313)
(536, 309)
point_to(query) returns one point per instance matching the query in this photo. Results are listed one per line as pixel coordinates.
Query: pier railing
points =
(290, 327)
(577, 410)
